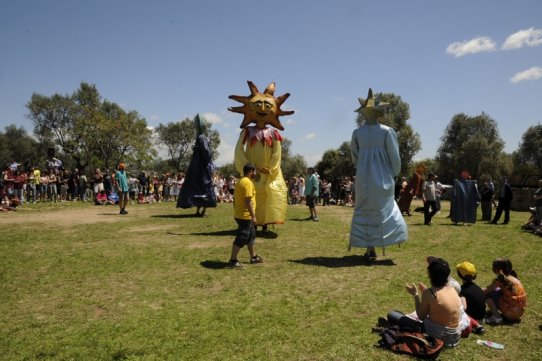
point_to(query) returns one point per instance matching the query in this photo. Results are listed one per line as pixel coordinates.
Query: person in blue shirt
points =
(311, 193)
(121, 182)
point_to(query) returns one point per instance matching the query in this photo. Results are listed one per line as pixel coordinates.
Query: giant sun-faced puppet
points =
(262, 146)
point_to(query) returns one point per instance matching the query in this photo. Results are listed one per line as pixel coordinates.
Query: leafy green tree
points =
(87, 129)
(336, 164)
(54, 120)
(294, 166)
(86, 123)
(428, 165)
(128, 139)
(528, 157)
(158, 166)
(325, 167)
(229, 169)
(344, 166)
(396, 117)
(471, 143)
(291, 164)
(19, 146)
(179, 138)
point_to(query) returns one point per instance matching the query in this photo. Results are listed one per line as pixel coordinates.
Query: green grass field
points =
(80, 282)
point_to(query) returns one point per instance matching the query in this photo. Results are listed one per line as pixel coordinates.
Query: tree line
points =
(468, 142)
(88, 132)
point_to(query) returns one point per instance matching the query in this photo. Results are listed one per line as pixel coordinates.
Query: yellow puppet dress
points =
(263, 148)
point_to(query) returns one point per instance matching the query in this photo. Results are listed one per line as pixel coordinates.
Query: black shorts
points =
(246, 233)
(310, 201)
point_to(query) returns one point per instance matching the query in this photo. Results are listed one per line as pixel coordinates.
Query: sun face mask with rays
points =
(261, 108)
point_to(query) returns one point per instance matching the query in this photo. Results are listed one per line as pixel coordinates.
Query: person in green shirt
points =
(121, 181)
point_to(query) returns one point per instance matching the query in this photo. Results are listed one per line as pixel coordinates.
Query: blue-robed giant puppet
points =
(377, 220)
(464, 201)
(198, 189)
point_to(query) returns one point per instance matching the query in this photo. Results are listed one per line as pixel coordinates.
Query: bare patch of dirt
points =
(63, 216)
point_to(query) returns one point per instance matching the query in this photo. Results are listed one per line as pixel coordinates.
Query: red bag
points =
(410, 343)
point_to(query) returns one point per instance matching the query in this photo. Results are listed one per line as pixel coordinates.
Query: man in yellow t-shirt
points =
(244, 205)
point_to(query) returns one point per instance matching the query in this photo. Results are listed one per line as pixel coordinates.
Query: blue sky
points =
(169, 60)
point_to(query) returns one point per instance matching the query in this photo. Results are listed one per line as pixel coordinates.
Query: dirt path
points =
(61, 216)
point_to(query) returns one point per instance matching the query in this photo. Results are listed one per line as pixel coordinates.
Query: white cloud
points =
(212, 118)
(310, 136)
(154, 117)
(226, 152)
(530, 74)
(473, 46)
(228, 125)
(312, 159)
(528, 37)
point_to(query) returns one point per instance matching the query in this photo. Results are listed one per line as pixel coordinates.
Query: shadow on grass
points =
(346, 261)
(266, 235)
(447, 224)
(228, 232)
(233, 233)
(191, 215)
(300, 219)
(214, 264)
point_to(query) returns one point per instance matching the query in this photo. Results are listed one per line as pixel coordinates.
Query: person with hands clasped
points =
(438, 309)
(244, 205)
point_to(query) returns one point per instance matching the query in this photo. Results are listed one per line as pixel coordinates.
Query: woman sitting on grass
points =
(7, 203)
(505, 296)
(102, 199)
(439, 310)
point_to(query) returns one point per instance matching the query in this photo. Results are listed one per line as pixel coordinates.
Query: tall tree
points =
(179, 138)
(53, 119)
(85, 128)
(229, 170)
(291, 164)
(19, 146)
(61, 119)
(128, 137)
(396, 117)
(336, 164)
(528, 157)
(471, 143)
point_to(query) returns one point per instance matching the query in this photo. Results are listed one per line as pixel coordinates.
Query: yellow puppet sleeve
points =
(240, 158)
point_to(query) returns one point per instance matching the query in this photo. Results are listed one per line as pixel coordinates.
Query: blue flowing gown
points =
(377, 220)
(198, 189)
(465, 198)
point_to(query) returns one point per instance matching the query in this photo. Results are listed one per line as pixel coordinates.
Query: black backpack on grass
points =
(409, 343)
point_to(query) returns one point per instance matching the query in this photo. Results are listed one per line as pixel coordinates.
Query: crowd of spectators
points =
(342, 194)
(53, 183)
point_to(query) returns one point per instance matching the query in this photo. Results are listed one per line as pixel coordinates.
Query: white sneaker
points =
(494, 320)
